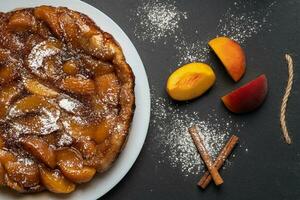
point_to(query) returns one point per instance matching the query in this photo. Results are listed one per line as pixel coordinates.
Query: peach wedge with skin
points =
(190, 81)
(248, 97)
(231, 55)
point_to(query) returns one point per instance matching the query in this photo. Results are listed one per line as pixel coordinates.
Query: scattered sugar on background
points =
(170, 128)
(241, 21)
(159, 22)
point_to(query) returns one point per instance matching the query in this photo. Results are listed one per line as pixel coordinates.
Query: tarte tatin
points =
(66, 99)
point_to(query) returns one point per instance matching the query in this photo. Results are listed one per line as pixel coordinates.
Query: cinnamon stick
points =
(227, 149)
(205, 156)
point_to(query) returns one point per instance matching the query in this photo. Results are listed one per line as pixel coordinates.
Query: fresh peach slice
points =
(248, 97)
(26, 174)
(35, 87)
(28, 104)
(55, 182)
(190, 81)
(39, 149)
(231, 55)
(78, 85)
(70, 163)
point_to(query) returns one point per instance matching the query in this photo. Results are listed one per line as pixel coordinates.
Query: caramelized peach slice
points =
(231, 55)
(6, 156)
(86, 146)
(2, 142)
(102, 131)
(81, 175)
(50, 16)
(2, 175)
(43, 124)
(24, 173)
(78, 85)
(7, 94)
(56, 182)
(77, 130)
(13, 185)
(71, 165)
(7, 74)
(71, 156)
(70, 68)
(97, 67)
(35, 87)
(39, 149)
(29, 104)
(21, 21)
(108, 88)
(190, 81)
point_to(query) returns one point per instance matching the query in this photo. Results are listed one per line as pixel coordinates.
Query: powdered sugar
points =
(38, 53)
(241, 21)
(64, 140)
(171, 126)
(191, 51)
(157, 20)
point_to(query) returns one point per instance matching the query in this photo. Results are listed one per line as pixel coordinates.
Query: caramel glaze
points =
(66, 99)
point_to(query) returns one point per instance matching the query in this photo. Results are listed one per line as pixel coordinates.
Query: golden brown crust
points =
(98, 81)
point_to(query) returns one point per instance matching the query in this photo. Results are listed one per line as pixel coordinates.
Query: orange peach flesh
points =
(231, 55)
(248, 97)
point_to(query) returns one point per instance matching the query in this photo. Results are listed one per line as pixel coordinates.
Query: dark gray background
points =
(271, 169)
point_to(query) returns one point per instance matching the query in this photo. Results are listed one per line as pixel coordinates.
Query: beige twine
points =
(285, 99)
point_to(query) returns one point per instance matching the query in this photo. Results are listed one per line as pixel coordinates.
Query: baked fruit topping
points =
(66, 99)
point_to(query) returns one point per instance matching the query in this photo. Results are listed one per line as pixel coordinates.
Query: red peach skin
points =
(248, 97)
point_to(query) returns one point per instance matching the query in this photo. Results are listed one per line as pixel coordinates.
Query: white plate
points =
(104, 182)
